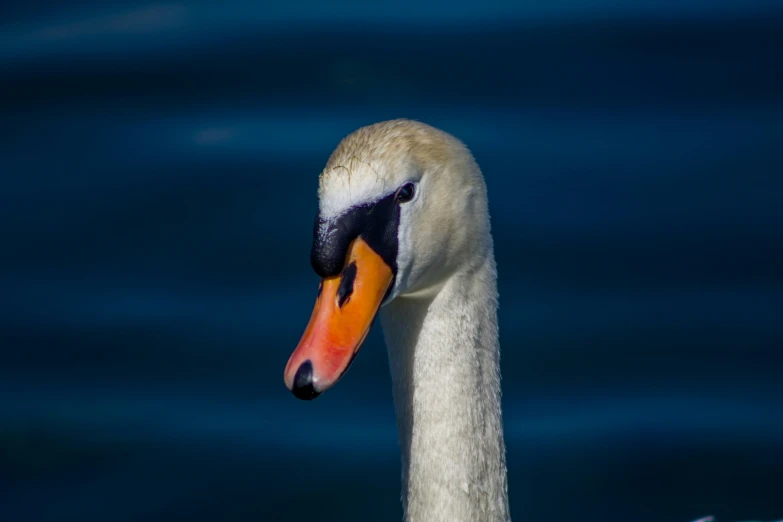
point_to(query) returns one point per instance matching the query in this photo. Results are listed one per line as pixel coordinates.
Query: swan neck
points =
(444, 360)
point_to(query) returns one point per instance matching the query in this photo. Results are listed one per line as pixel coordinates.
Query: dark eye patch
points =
(376, 223)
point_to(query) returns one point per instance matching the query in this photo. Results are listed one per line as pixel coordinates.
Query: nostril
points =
(303, 383)
(345, 289)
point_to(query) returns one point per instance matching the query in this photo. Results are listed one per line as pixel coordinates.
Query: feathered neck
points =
(444, 359)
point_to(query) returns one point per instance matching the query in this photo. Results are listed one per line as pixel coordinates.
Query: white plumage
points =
(440, 321)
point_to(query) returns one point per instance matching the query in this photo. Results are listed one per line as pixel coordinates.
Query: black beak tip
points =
(303, 383)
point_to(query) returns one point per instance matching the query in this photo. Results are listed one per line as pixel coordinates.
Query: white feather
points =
(440, 323)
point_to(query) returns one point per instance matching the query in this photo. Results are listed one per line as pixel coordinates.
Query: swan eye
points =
(404, 193)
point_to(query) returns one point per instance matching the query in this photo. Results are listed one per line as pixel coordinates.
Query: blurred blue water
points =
(159, 165)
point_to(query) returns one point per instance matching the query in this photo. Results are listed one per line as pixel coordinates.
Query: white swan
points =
(403, 225)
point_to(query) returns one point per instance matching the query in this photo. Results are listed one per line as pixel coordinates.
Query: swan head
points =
(402, 207)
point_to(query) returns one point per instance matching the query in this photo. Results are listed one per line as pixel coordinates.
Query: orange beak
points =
(344, 310)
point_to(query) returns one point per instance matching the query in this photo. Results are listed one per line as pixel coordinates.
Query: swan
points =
(403, 231)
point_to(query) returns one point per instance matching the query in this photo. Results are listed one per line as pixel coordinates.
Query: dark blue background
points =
(159, 169)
